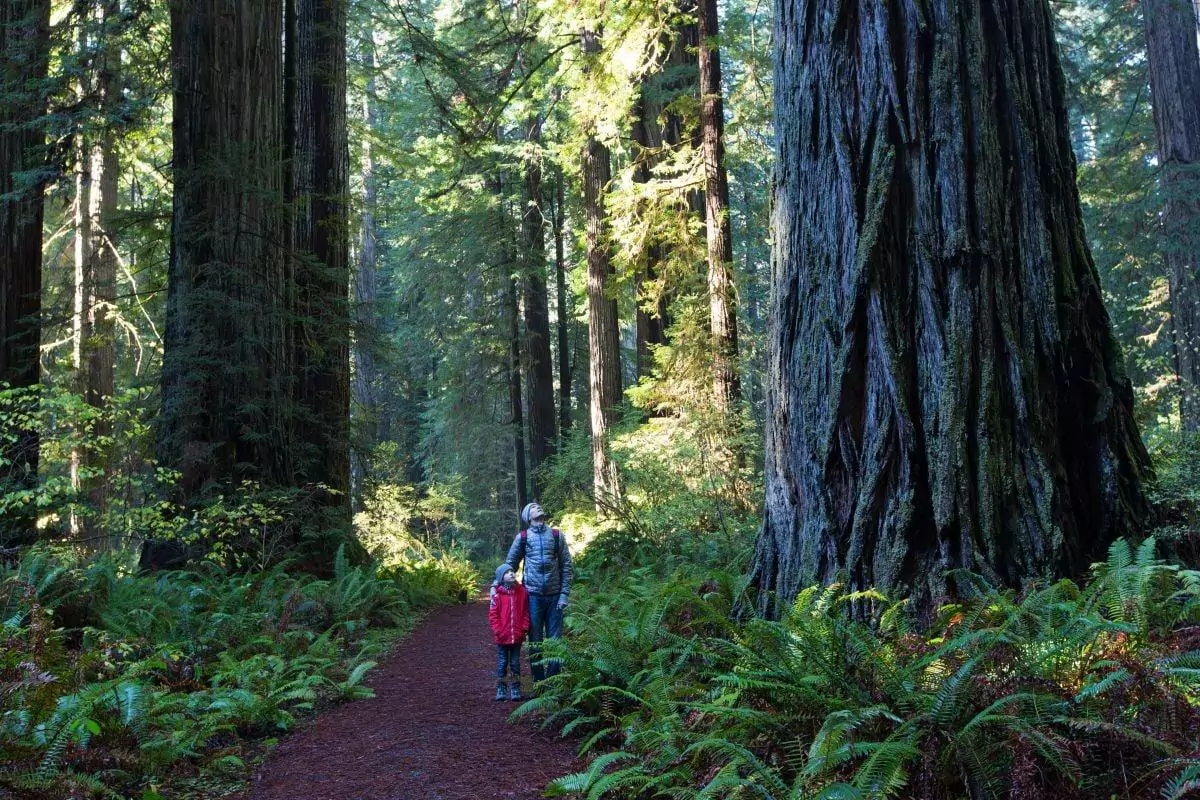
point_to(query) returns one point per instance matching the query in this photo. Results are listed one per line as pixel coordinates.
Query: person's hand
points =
(562, 603)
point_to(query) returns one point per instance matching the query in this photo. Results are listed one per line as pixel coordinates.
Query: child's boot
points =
(500, 690)
(514, 690)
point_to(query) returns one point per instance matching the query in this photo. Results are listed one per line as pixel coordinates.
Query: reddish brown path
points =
(432, 731)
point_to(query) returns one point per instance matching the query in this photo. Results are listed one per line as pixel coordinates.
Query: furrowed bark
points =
(1175, 88)
(604, 349)
(24, 61)
(537, 312)
(225, 412)
(721, 296)
(943, 386)
(320, 174)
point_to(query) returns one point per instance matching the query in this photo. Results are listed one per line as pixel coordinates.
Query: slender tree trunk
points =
(1175, 88)
(95, 272)
(565, 370)
(320, 174)
(81, 246)
(537, 312)
(225, 399)
(722, 308)
(366, 282)
(24, 60)
(944, 389)
(514, 396)
(604, 346)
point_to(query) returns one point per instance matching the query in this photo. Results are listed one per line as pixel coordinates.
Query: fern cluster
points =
(1063, 691)
(117, 684)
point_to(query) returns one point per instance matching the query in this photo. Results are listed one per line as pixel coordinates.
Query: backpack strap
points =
(554, 532)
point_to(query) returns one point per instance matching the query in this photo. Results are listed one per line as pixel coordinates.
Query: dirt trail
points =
(432, 731)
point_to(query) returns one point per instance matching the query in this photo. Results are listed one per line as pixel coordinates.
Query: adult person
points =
(547, 579)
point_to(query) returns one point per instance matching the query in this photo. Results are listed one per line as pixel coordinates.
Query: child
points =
(509, 616)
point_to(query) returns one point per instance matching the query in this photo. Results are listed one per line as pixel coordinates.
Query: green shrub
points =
(1063, 691)
(113, 681)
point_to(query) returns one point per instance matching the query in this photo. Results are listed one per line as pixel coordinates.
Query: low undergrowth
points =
(115, 684)
(1066, 691)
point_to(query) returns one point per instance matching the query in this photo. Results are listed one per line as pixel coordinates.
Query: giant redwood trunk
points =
(225, 409)
(943, 386)
(321, 271)
(537, 311)
(721, 298)
(604, 346)
(24, 59)
(1175, 88)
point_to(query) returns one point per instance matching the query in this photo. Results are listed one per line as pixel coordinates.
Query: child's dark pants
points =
(508, 657)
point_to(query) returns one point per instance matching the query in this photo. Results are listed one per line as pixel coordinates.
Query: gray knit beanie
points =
(500, 570)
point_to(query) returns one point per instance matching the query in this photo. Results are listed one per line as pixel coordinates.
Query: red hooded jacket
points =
(509, 614)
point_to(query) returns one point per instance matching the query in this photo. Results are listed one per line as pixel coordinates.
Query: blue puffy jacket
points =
(548, 568)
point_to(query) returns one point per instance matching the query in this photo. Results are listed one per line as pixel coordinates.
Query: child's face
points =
(510, 577)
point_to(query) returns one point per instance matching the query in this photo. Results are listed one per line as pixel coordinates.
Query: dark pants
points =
(508, 657)
(546, 623)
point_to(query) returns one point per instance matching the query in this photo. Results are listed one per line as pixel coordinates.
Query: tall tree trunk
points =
(537, 312)
(24, 60)
(565, 370)
(225, 398)
(658, 129)
(723, 315)
(320, 174)
(366, 281)
(1175, 88)
(95, 267)
(520, 471)
(944, 389)
(648, 140)
(604, 346)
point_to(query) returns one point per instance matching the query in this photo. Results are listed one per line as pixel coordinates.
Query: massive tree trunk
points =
(943, 387)
(24, 60)
(1175, 88)
(320, 188)
(225, 397)
(537, 312)
(723, 315)
(366, 285)
(604, 345)
(565, 367)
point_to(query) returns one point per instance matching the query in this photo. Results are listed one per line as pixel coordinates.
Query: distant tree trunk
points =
(366, 280)
(650, 324)
(96, 273)
(320, 170)
(514, 396)
(24, 60)
(722, 304)
(604, 346)
(565, 370)
(225, 411)
(1175, 88)
(537, 312)
(944, 389)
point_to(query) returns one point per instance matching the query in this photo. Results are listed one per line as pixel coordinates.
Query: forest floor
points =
(432, 731)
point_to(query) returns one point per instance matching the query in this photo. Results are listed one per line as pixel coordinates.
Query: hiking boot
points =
(514, 691)
(500, 691)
